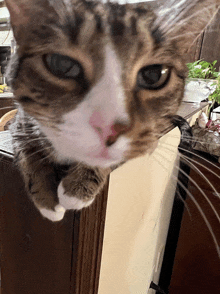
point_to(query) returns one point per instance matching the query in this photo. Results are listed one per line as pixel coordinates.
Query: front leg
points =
(81, 185)
(41, 181)
(34, 156)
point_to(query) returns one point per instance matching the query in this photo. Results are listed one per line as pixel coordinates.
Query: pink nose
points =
(108, 134)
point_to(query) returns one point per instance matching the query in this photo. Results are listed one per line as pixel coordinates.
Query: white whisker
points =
(193, 160)
(38, 151)
(200, 211)
(182, 199)
(197, 186)
(193, 153)
(191, 139)
(7, 107)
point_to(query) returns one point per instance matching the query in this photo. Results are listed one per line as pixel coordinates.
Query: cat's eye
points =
(63, 66)
(153, 77)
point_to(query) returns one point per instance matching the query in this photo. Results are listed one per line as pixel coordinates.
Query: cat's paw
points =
(71, 202)
(54, 216)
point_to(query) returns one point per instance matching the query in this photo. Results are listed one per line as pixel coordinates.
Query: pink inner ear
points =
(17, 12)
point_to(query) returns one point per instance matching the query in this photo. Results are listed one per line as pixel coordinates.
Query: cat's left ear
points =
(18, 10)
(26, 13)
(183, 21)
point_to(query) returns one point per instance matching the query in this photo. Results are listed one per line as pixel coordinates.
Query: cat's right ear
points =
(18, 10)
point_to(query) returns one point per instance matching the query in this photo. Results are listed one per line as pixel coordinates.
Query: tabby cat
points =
(96, 84)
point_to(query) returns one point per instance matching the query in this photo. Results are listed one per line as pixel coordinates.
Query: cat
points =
(96, 84)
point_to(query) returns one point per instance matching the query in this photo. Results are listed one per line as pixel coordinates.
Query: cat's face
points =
(102, 80)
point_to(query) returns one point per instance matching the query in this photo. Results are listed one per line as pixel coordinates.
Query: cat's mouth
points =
(102, 158)
(103, 155)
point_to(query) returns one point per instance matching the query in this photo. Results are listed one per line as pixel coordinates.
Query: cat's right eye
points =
(153, 77)
(63, 66)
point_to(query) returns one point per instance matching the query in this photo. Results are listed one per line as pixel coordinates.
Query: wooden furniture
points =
(38, 256)
(6, 103)
(197, 267)
(5, 119)
(207, 46)
(105, 249)
(42, 257)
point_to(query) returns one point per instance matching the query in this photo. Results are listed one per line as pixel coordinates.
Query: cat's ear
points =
(183, 21)
(25, 14)
(18, 10)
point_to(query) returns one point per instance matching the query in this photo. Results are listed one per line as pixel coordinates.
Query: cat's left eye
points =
(63, 66)
(153, 77)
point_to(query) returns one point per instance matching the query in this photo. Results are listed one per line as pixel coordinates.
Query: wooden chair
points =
(6, 118)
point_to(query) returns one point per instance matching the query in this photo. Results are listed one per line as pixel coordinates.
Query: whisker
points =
(38, 151)
(23, 144)
(185, 35)
(7, 107)
(204, 177)
(172, 25)
(193, 153)
(198, 163)
(195, 168)
(197, 186)
(185, 204)
(202, 165)
(45, 157)
(189, 139)
(203, 216)
(200, 211)
(189, 34)
(180, 196)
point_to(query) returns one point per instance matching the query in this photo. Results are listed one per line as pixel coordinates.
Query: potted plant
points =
(206, 132)
(203, 82)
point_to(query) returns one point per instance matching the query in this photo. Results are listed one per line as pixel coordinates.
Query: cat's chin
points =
(101, 160)
(90, 161)
(102, 163)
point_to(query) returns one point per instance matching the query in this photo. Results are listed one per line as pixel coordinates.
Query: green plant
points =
(204, 70)
(215, 96)
(201, 69)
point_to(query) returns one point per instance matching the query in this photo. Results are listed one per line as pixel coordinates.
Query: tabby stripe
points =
(133, 26)
(117, 28)
(138, 106)
(99, 24)
(144, 134)
(141, 11)
(73, 26)
(157, 35)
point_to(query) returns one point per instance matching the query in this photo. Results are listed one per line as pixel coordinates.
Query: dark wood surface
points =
(207, 46)
(6, 104)
(195, 50)
(197, 264)
(210, 49)
(39, 256)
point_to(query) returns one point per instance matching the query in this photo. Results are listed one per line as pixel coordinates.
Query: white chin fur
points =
(71, 202)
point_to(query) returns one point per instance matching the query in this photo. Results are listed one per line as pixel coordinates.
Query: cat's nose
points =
(116, 130)
(108, 133)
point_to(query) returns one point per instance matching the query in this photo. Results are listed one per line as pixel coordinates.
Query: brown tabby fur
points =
(80, 30)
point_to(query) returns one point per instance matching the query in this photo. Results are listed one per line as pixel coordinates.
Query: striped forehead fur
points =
(121, 19)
